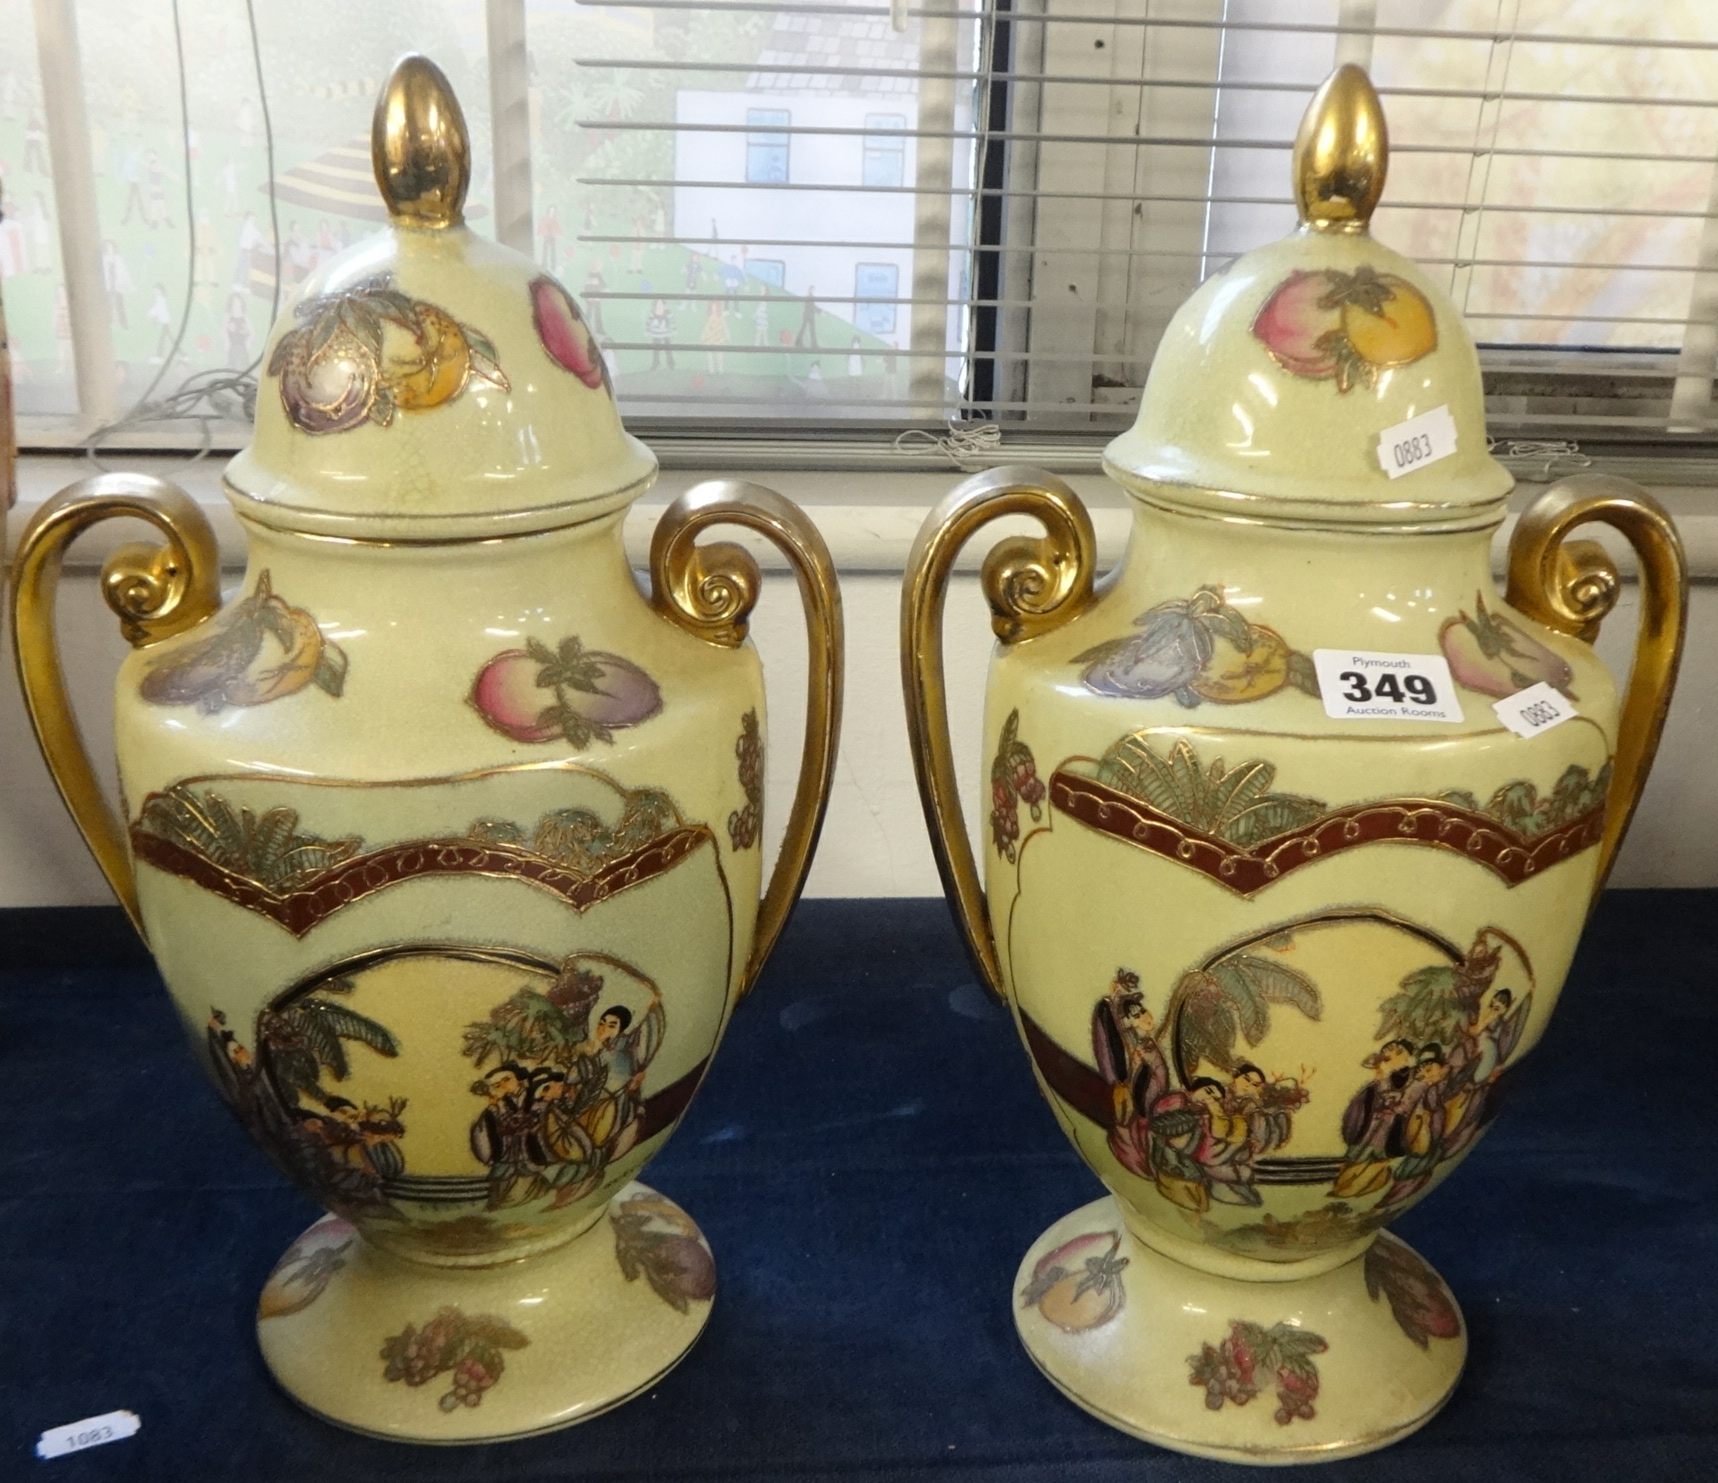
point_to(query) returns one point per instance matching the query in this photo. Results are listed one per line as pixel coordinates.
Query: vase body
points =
(1214, 918)
(389, 926)
(1277, 922)
(1273, 875)
(446, 837)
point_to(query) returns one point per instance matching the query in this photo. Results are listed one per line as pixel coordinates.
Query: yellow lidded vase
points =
(1290, 826)
(445, 836)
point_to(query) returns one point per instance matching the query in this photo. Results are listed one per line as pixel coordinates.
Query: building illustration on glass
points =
(767, 146)
(814, 273)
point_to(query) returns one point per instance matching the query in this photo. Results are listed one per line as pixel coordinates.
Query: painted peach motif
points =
(1295, 326)
(1496, 656)
(537, 694)
(1348, 326)
(1078, 1285)
(564, 334)
(369, 351)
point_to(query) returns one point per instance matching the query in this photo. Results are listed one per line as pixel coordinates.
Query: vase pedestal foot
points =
(420, 1353)
(1304, 1370)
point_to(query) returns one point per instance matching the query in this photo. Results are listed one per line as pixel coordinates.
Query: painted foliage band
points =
(1246, 871)
(339, 886)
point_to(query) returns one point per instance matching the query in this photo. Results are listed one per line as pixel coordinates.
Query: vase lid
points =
(427, 383)
(1320, 378)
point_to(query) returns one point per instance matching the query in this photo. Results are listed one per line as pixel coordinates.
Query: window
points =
(766, 153)
(1553, 166)
(875, 281)
(1002, 203)
(885, 154)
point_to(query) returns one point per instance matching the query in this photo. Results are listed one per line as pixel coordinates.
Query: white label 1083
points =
(1362, 685)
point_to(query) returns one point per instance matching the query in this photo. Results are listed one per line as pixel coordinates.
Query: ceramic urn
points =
(1290, 826)
(445, 835)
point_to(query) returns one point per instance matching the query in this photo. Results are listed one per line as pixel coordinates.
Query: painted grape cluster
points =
(469, 1347)
(1253, 1357)
(1014, 781)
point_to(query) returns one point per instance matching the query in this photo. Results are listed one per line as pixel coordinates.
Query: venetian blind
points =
(833, 220)
(1554, 163)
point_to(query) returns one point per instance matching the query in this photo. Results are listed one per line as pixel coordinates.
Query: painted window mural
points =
(700, 179)
(767, 146)
(188, 217)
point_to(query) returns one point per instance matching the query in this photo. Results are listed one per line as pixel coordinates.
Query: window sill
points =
(869, 517)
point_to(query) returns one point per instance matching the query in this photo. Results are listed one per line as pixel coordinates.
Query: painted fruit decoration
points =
(1323, 324)
(260, 649)
(564, 333)
(1078, 1285)
(469, 1347)
(370, 351)
(537, 694)
(1196, 649)
(1418, 1299)
(656, 1240)
(1253, 1357)
(1496, 656)
(307, 1268)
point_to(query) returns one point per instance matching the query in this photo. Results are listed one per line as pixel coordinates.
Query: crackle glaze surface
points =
(1274, 968)
(447, 845)
(1219, 876)
(432, 910)
(447, 839)
(1262, 1373)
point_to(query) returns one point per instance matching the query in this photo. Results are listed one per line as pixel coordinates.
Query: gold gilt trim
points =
(1435, 823)
(264, 864)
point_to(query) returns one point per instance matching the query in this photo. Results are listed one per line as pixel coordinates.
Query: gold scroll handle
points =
(1034, 584)
(710, 592)
(1571, 585)
(157, 591)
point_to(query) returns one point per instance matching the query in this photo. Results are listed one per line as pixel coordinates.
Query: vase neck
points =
(1335, 588)
(395, 582)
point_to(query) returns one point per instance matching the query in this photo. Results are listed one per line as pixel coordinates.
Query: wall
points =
(874, 842)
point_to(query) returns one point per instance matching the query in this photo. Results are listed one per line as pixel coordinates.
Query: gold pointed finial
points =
(1341, 153)
(419, 146)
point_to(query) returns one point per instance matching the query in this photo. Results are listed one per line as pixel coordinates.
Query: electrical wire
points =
(205, 397)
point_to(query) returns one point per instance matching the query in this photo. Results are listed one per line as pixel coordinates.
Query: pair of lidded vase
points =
(1274, 933)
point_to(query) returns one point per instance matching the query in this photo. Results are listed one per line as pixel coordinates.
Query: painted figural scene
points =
(562, 1100)
(1199, 1137)
(1189, 1103)
(561, 1066)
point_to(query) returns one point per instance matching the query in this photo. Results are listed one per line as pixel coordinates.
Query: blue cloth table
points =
(869, 1159)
